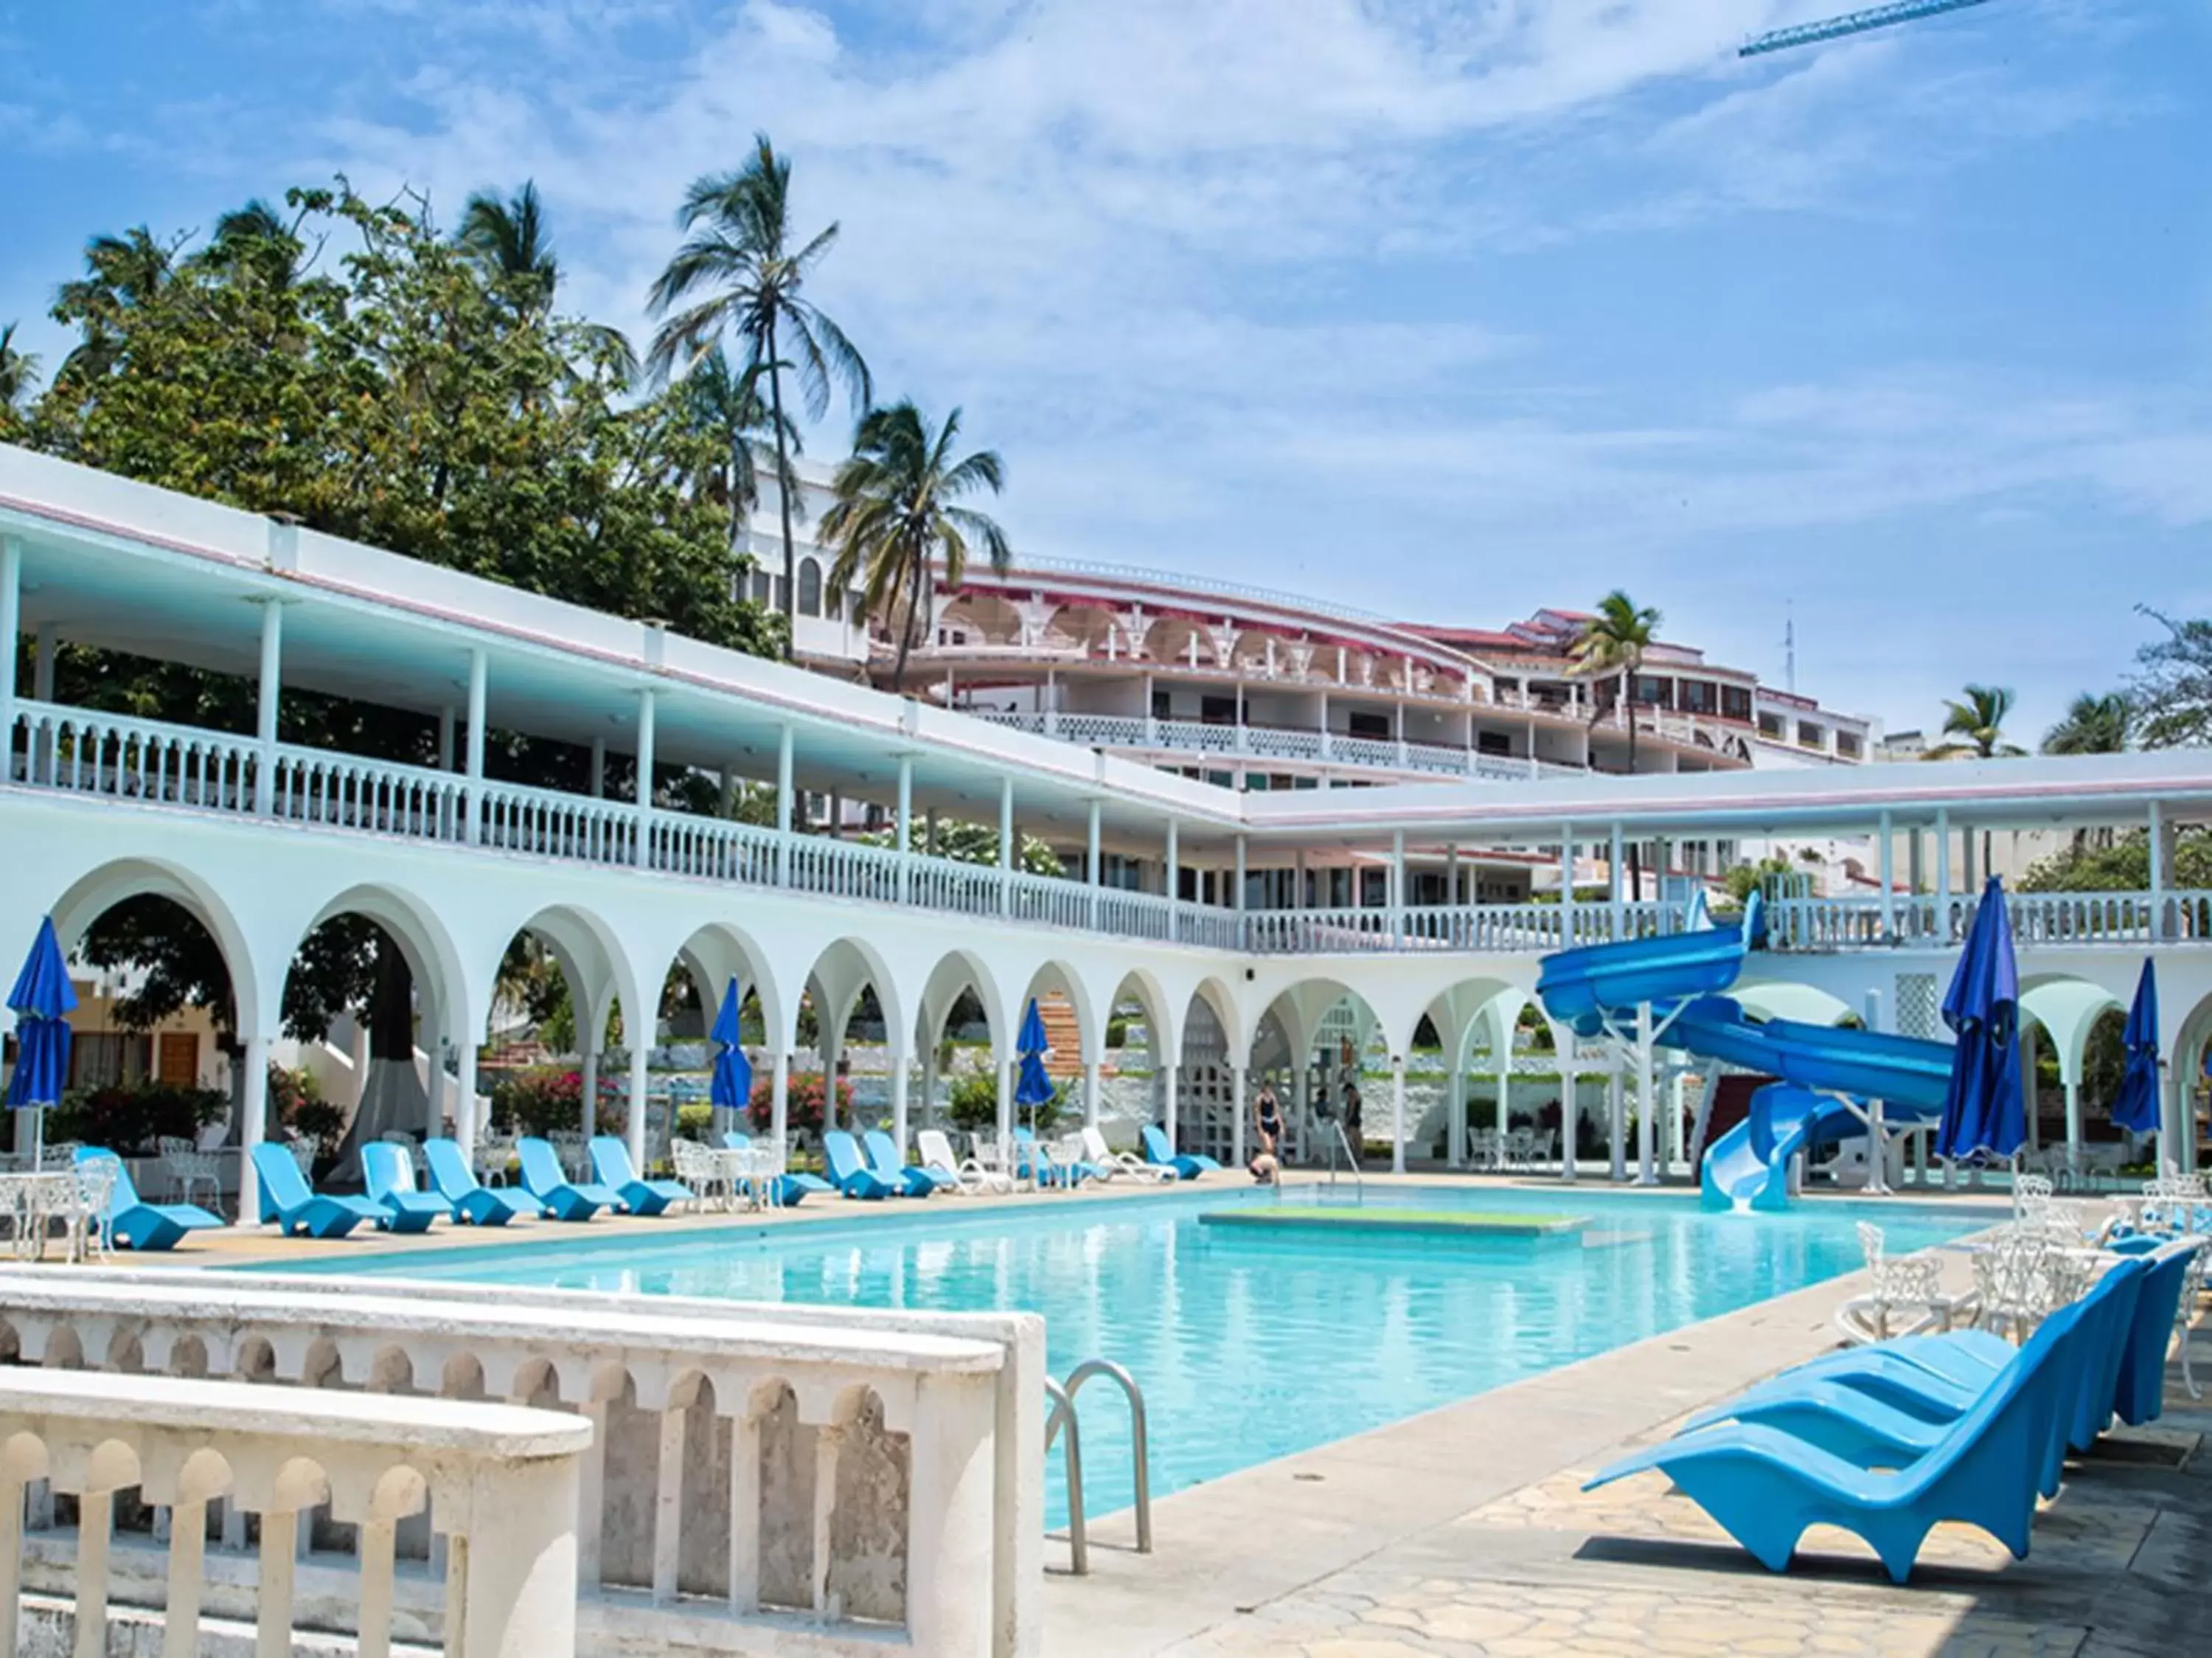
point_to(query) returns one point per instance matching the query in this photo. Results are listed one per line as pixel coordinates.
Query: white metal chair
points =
(705, 1174)
(95, 1193)
(188, 1169)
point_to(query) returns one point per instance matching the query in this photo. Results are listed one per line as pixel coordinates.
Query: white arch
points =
(99, 890)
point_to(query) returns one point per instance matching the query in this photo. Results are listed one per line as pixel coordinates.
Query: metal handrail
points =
(1351, 1161)
(1139, 1435)
(1063, 1417)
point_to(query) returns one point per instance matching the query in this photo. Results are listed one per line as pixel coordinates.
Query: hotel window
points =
(1493, 742)
(1218, 710)
(1374, 726)
(1735, 703)
(1809, 734)
(1847, 745)
(1770, 725)
(809, 588)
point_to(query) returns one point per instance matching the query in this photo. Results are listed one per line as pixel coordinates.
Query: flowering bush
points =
(296, 1103)
(802, 1106)
(128, 1118)
(549, 1100)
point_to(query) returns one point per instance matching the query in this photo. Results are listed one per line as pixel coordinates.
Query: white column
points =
(268, 693)
(590, 1109)
(1091, 863)
(1397, 1113)
(646, 702)
(1614, 859)
(1007, 846)
(783, 819)
(478, 671)
(640, 1033)
(1888, 863)
(1242, 875)
(1451, 874)
(832, 1047)
(2072, 1084)
(1566, 886)
(1502, 1107)
(1616, 1105)
(1455, 1124)
(11, 628)
(1170, 1104)
(1005, 1064)
(1942, 878)
(779, 1124)
(2156, 848)
(902, 828)
(1093, 1092)
(466, 1129)
(1172, 878)
(1397, 886)
(1237, 1159)
(902, 1061)
(929, 1085)
(1647, 1105)
(253, 1104)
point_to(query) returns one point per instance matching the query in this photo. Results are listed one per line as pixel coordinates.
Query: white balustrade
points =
(340, 791)
(948, 884)
(1051, 900)
(843, 868)
(1194, 734)
(1363, 751)
(713, 849)
(1270, 743)
(498, 1483)
(85, 753)
(811, 1480)
(547, 824)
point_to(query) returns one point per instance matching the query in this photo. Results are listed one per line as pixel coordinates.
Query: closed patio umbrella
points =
(42, 1000)
(1982, 1113)
(731, 1086)
(1032, 1087)
(2136, 1106)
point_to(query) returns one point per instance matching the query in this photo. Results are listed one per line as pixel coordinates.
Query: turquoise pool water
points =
(1248, 1348)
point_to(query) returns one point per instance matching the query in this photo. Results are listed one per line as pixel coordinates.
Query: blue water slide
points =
(1579, 987)
(1680, 975)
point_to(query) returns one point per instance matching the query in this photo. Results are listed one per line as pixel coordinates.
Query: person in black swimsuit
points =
(1352, 1127)
(1267, 1117)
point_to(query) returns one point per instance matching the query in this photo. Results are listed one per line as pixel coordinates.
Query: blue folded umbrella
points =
(731, 1086)
(1983, 1110)
(42, 999)
(2136, 1109)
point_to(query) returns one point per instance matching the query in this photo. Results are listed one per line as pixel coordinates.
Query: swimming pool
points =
(1248, 1348)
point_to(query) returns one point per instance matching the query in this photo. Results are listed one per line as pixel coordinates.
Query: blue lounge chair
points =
(2139, 1390)
(612, 1167)
(1881, 1418)
(542, 1178)
(137, 1224)
(287, 1199)
(853, 1177)
(885, 1164)
(791, 1188)
(472, 1202)
(1765, 1486)
(1189, 1165)
(388, 1173)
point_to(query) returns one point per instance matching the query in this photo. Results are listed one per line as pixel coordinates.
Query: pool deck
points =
(1464, 1530)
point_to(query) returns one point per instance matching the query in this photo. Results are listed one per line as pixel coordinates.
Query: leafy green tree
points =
(738, 272)
(1974, 727)
(404, 399)
(896, 514)
(2093, 725)
(2172, 690)
(19, 373)
(973, 843)
(2124, 865)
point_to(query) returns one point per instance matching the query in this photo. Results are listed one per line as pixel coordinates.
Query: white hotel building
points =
(1239, 951)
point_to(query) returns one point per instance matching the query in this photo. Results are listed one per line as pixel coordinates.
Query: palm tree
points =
(19, 371)
(257, 238)
(2093, 725)
(726, 404)
(509, 240)
(121, 272)
(1976, 726)
(739, 255)
(896, 515)
(1615, 639)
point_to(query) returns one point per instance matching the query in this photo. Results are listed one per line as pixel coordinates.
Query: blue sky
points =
(1447, 308)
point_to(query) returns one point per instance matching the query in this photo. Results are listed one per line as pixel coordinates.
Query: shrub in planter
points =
(802, 1103)
(972, 1105)
(549, 1100)
(129, 1118)
(296, 1103)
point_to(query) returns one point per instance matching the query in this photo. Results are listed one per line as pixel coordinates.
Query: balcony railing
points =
(1260, 744)
(148, 764)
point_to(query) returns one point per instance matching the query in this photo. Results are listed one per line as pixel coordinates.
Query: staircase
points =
(1064, 1035)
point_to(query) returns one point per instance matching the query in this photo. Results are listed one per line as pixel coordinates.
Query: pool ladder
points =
(1063, 1420)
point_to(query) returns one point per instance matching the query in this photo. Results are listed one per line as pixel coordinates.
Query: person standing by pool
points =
(1352, 1123)
(1267, 1119)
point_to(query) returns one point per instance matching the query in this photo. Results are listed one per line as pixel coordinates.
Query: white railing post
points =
(2157, 850)
(1172, 883)
(1888, 867)
(903, 829)
(1091, 867)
